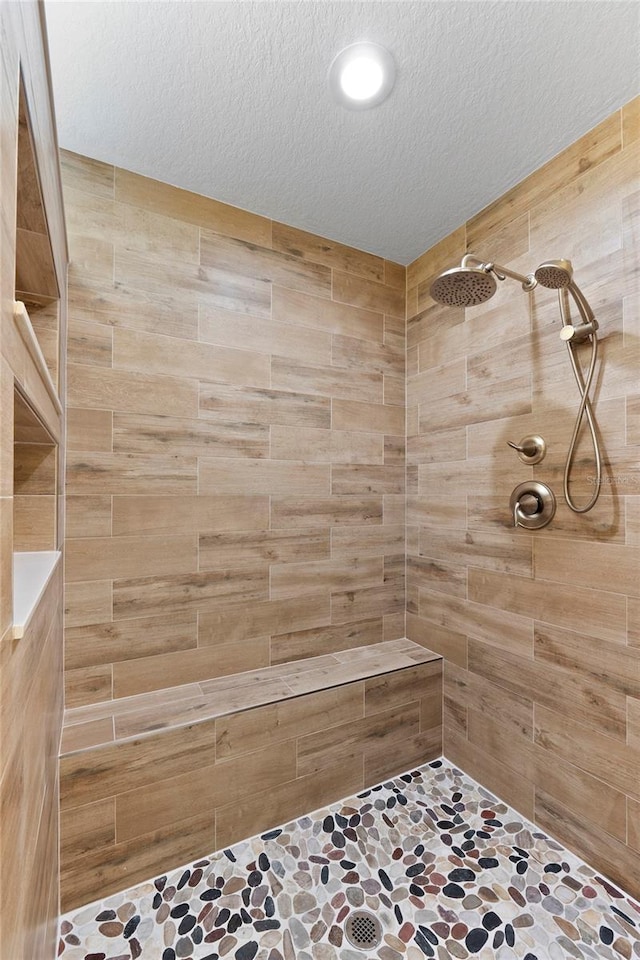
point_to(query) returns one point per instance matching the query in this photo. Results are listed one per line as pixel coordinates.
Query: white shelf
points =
(31, 574)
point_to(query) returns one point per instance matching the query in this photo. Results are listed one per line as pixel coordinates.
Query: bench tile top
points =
(116, 720)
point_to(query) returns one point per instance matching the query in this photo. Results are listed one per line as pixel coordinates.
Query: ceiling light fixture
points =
(362, 75)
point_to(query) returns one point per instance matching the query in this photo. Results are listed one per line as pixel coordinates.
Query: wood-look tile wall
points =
(31, 682)
(138, 807)
(540, 631)
(235, 436)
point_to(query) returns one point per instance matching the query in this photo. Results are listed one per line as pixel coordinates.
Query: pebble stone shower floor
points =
(448, 870)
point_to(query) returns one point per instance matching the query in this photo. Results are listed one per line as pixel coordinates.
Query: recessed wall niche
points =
(37, 411)
(34, 480)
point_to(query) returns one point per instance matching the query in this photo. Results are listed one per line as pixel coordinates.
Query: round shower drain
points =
(363, 930)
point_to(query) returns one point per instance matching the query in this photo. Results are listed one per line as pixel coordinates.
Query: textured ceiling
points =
(230, 99)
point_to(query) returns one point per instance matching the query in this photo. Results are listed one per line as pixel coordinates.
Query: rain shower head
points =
(473, 282)
(554, 274)
(463, 286)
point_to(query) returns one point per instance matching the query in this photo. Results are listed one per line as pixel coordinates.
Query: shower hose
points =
(584, 386)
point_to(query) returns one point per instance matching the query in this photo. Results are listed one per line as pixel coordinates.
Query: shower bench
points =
(153, 781)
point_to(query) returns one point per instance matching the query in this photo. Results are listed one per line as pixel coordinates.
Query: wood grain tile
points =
(308, 246)
(502, 552)
(128, 392)
(89, 343)
(124, 766)
(478, 404)
(367, 602)
(498, 627)
(34, 469)
(138, 811)
(590, 798)
(361, 480)
(333, 446)
(380, 763)
(105, 558)
(232, 622)
(265, 336)
(88, 685)
(88, 828)
(450, 645)
(326, 381)
(220, 550)
(392, 690)
(319, 751)
(606, 522)
(255, 405)
(263, 477)
(190, 207)
(136, 434)
(90, 430)
(597, 614)
(613, 858)
(301, 309)
(633, 720)
(250, 260)
(299, 644)
(437, 445)
(287, 512)
(157, 515)
(603, 757)
(631, 122)
(597, 561)
(614, 665)
(368, 294)
(511, 708)
(34, 523)
(129, 475)
(569, 694)
(129, 639)
(131, 228)
(121, 305)
(445, 380)
(106, 871)
(439, 575)
(148, 596)
(298, 579)
(437, 511)
(259, 729)
(367, 417)
(601, 142)
(633, 823)
(196, 285)
(95, 177)
(260, 811)
(145, 353)
(517, 790)
(132, 677)
(88, 602)
(371, 541)
(350, 353)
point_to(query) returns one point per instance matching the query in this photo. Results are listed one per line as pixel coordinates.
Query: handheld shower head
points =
(554, 274)
(463, 286)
